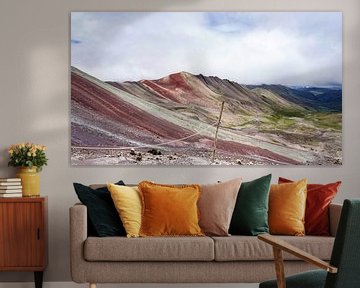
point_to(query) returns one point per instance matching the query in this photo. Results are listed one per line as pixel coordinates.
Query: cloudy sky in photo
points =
(302, 48)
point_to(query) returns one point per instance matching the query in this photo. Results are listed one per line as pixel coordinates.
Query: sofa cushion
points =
(102, 216)
(127, 201)
(287, 204)
(169, 210)
(250, 216)
(149, 249)
(243, 248)
(216, 206)
(318, 199)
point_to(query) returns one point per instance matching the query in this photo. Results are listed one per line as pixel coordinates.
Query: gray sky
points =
(303, 48)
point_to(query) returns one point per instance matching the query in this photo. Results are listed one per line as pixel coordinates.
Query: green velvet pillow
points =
(250, 216)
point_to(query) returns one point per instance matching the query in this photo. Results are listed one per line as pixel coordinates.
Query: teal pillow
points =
(250, 216)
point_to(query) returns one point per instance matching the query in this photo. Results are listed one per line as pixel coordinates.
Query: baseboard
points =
(74, 285)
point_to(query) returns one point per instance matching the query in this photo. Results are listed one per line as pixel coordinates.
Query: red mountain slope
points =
(103, 116)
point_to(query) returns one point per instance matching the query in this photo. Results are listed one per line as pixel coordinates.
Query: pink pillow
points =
(216, 205)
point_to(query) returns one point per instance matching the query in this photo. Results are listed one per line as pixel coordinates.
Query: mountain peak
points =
(182, 73)
(178, 77)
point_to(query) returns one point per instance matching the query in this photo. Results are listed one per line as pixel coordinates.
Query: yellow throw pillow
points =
(127, 201)
(287, 204)
(169, 210)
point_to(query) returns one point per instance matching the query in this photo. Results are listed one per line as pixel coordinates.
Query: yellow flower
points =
(11, 151)
(40, 147)
(28, 154)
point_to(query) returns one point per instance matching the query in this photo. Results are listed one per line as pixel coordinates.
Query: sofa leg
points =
(92, 285)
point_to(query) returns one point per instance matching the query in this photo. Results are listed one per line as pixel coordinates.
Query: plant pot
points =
(30, 181)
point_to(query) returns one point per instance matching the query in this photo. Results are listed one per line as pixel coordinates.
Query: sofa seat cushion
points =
(244, 248)
(149, 249)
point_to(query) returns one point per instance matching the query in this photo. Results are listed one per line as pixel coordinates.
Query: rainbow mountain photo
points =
(147, 88)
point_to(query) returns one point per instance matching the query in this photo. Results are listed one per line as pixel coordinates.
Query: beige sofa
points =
(234, 259)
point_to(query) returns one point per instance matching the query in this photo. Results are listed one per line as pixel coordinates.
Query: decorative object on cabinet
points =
(10, 187)
(30, 158)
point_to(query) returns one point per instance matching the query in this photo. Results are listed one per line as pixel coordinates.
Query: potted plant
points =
(30, 158)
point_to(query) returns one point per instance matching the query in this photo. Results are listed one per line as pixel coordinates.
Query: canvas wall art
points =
(219, 88)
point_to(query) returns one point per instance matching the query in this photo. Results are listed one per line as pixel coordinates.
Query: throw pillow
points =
(287, 204)
(169, 210)
(102, 215)
(250, 215)
(216, 206)
(127, 201)
(319, 197)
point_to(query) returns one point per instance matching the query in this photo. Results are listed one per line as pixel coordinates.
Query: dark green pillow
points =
(250, 216)
(103, 218)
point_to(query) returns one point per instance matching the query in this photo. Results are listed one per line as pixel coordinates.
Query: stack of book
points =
(10, 187)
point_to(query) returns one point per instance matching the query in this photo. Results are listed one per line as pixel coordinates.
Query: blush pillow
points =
(287, 204)
(216, 206)
(319, 197)
(169, 210)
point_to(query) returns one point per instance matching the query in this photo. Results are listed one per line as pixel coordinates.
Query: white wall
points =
(35, 93)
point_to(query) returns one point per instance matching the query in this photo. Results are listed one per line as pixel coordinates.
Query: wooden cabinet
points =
(23, 235)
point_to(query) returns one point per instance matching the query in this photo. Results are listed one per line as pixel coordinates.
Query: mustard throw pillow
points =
(127, 201)
(287, 204)
(169, 210)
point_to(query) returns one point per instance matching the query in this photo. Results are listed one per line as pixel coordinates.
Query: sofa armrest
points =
(78, 235)
(334, 217)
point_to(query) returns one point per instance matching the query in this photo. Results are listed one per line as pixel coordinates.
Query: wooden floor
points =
(74, 285)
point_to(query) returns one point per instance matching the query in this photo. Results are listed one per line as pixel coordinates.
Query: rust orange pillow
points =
(319, 197)
(169, 210)
(287, 204)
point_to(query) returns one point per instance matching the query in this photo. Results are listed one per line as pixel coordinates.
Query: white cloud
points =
(250, 48)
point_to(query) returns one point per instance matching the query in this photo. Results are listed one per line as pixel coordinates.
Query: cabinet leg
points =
(38, 279)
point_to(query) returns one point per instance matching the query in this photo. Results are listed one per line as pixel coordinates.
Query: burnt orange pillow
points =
(169, 210)
(319, 197)
(287, 204)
